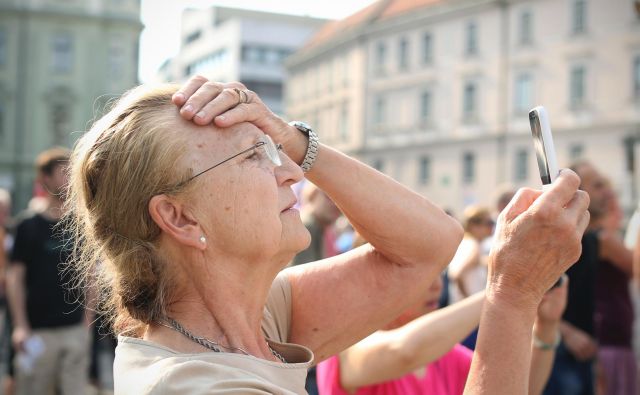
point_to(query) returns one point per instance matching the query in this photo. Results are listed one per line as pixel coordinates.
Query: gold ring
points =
(246, 96)
(239, 92)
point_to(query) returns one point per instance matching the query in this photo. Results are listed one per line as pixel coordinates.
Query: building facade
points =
(228, 44)
(60, 62)
(438, 91)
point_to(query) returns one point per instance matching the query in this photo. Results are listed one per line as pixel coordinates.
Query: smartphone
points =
(543, 144)
(545, 153)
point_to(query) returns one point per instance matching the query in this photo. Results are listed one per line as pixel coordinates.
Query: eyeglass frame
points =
(275, 159)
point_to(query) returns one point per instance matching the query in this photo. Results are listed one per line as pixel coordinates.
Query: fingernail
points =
(200, 115)
(187, 108)
(221, 117)
(179, 96)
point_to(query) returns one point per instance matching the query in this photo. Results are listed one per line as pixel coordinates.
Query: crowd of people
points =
(590, 310)
(174, 225)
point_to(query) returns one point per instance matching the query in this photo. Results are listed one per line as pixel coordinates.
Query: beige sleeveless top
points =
(142, 367)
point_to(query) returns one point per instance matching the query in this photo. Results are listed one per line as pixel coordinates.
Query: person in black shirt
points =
(49, 332)
(574, 363)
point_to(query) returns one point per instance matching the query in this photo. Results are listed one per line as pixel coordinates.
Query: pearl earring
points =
(203, 240)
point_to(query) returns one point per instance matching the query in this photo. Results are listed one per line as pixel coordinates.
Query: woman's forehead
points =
(213, 138)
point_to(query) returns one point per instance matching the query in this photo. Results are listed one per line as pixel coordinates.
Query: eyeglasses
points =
(489, 222)
(270, 148)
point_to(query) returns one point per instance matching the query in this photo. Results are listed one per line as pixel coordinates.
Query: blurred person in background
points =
(49, 335)
(467, 272)
(573, 370)
(318, 214)
(6, 242)
(503, 197)
(345, 234)
(614, 313)
(632, 241)
(418, 352)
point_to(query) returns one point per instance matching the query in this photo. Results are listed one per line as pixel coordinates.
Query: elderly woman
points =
(191, 212)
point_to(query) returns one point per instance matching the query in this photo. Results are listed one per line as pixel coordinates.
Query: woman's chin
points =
(294, 243)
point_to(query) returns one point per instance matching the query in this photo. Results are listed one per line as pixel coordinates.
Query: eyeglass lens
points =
(272, 151)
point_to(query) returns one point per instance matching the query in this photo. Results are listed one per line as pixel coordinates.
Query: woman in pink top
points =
(392, 361)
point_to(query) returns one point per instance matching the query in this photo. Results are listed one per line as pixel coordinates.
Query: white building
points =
(227, 44)
(436, 93)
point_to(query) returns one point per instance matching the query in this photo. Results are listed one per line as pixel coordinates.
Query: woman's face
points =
(244, 205)
(483, 228)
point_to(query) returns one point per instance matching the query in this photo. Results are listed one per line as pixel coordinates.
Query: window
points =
(577, 89)
(524, 93)
(471, 44)
(210, 62)
(425, 107)
(403, 53)
(468, 168)
(116, 61)
(424, 173)
(345, 71)
(575, 151)
(247, 53)
(379, 115)
(60, 122)
(193, 36)
(526, 36)
(579, 17)
(3, 47)
(469, 103)
(258, 55)
(264, 89)
(636, 77)
(381, 58)
(427, 48)
(283, 53)
(344, 122)
(522, 165)
(62, 48)
(272, 56)
(261, 55)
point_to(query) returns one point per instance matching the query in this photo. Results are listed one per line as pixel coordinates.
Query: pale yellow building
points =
(435, 92)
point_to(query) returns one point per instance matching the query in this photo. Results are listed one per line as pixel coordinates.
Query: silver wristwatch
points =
(312, 148)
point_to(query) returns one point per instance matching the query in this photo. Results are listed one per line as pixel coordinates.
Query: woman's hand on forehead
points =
(226, 104)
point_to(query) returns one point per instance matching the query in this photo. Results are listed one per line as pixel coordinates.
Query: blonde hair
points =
(474, 215)
(128, 156)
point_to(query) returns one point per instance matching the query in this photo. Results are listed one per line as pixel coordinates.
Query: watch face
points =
(302, 126)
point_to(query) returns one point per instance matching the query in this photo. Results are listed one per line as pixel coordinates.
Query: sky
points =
(160, 38)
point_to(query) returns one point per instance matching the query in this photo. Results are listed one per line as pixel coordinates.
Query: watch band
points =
(312, 148)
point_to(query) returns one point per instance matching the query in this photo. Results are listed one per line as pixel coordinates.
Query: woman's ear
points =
(172, 218)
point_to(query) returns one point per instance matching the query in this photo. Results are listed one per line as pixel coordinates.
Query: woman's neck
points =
(222, 302)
